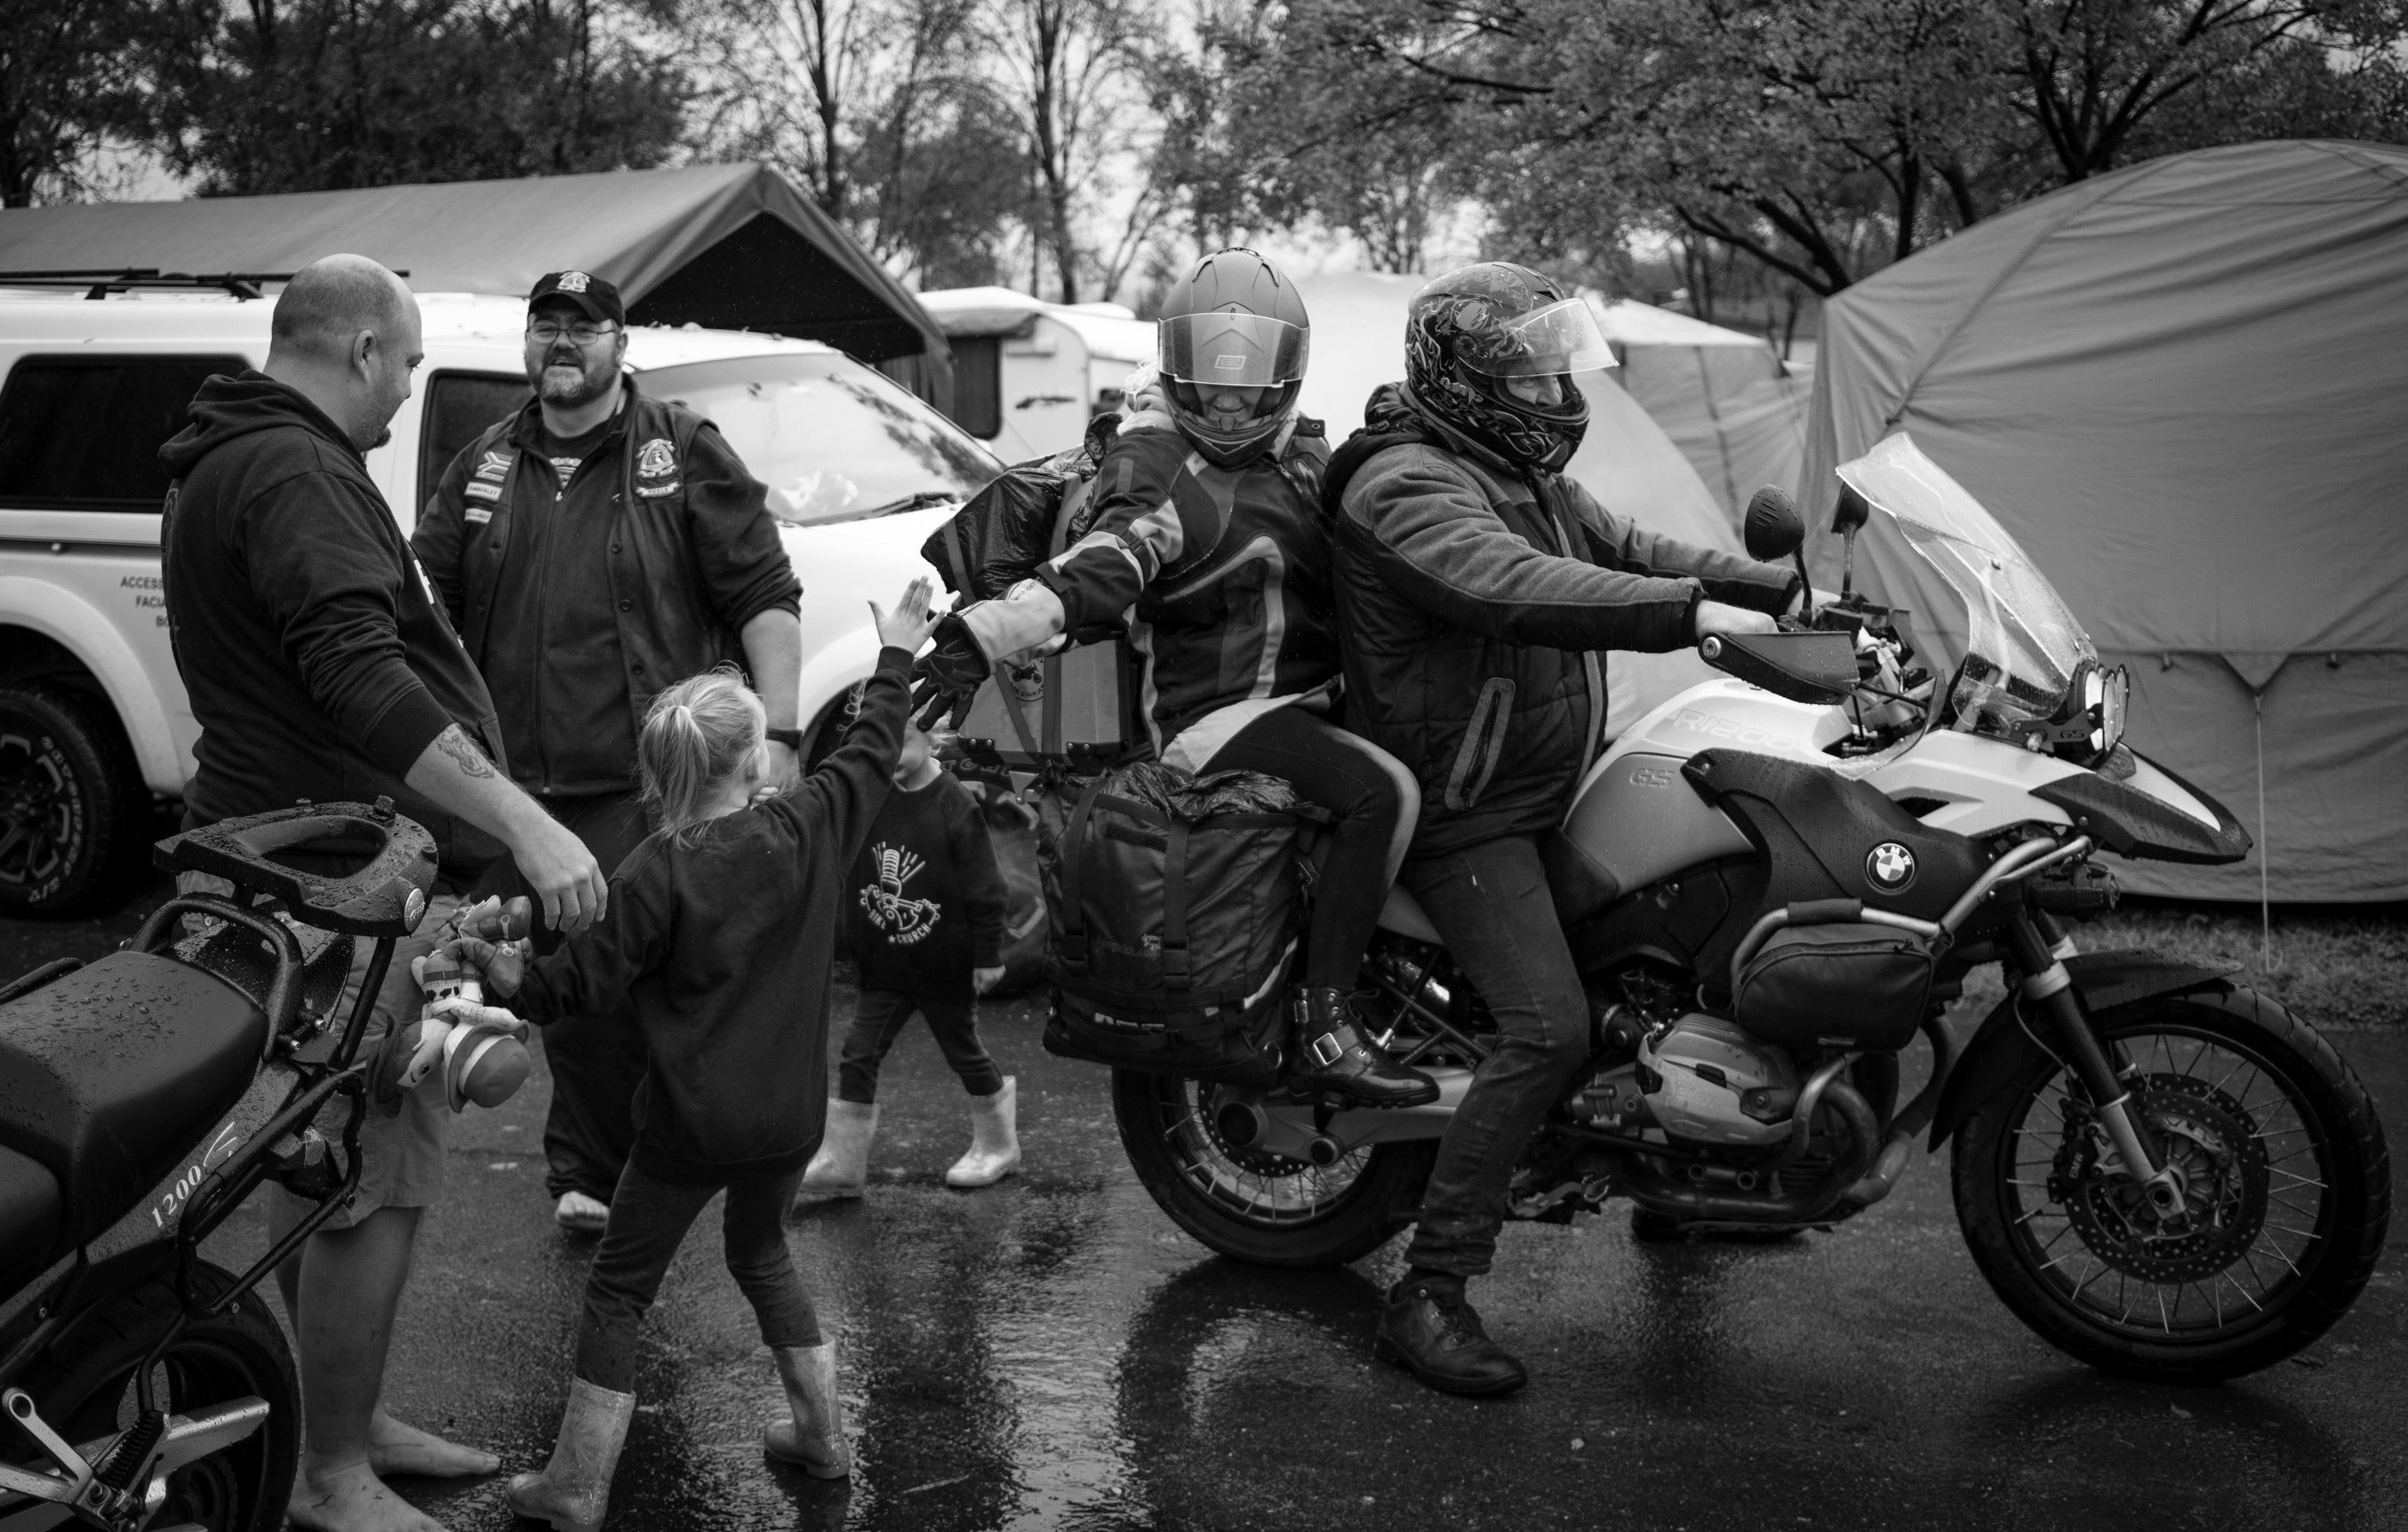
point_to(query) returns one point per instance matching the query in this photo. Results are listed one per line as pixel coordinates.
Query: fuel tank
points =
(1636, 821)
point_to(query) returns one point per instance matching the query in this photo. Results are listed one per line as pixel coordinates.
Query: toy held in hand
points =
(481, 1049)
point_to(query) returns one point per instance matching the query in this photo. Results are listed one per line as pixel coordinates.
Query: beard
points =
(592, 381)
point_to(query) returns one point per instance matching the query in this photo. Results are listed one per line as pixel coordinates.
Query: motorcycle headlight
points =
(2115, 701)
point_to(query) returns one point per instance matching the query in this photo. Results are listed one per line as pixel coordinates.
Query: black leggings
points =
(1365, 790)
(878, 1019)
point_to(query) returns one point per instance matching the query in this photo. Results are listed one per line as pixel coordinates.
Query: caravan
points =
(1028, 374)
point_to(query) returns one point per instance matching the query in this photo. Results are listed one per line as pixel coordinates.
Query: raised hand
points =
(907, 627)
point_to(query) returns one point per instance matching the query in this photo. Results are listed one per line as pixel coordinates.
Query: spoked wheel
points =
(86, 1392)
(2285, 1186)
(1266, 1209)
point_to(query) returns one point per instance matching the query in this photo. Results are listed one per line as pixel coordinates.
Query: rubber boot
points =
(842, 1163)
(814, 1437)
(574, 1490)
(995, 1138)
(1428, 1328)
(1332, 1055)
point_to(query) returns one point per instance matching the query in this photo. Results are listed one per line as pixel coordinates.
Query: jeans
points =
(596, 1061)
(1491, 905)
(877, 1020)
(1365, 789)
(648, 1220)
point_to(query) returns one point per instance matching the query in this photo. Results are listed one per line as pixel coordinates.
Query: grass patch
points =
(2343, 968)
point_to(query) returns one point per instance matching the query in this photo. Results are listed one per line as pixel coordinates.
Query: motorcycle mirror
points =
(1773, 529)
(1852, 513)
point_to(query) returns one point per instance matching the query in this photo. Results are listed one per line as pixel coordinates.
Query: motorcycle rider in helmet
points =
(1477, 590)
(1208, 534)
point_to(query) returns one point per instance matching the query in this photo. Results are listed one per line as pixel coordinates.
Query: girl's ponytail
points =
(698, 733)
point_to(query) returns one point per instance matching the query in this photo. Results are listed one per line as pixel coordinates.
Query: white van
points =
(1029, 375)
(95, 734)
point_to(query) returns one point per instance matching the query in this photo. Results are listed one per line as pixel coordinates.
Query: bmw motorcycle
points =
(1774, 883)
(142, 1098)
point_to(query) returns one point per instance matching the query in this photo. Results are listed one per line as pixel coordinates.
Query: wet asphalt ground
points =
(1053, 1352)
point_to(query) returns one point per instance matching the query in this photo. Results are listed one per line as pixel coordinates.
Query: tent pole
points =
(2265, 915)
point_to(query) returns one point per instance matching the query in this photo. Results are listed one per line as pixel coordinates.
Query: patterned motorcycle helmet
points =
(1472, 334)
(1233, 322)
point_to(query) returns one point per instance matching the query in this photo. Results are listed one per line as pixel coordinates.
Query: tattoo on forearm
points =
(454, 743)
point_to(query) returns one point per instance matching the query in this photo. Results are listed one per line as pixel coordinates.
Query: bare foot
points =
(397, 1448)
(352, 1499)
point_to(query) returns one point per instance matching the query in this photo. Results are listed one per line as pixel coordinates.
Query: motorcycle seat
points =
(1403, 915)
(109, 1074)
(29, 1217)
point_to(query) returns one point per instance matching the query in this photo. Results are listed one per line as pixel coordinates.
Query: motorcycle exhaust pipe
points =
(1883, 1179)
(1241, 1124)
(1657, 1190)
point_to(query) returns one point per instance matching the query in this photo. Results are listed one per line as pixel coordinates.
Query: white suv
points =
(95, 734)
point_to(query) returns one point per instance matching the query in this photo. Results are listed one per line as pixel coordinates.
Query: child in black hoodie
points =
(720, 928)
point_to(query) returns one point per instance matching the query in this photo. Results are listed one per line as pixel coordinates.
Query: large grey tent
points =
(727, 246)
(2184, 388)
(1723, 396)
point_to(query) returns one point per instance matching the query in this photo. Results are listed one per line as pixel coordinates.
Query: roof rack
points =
(100, 282)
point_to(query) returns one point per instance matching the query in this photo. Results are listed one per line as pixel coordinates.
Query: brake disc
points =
(2210, 1143)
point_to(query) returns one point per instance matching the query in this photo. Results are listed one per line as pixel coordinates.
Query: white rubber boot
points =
(573, 1491)
(842, 1163)
(995, 1138)
(814, 1437)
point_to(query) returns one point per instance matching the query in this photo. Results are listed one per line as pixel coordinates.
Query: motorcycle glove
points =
(949, 674)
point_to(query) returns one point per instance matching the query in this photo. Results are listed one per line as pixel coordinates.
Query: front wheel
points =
(2285, 1182)
(85, 1390)
(1250, 1206)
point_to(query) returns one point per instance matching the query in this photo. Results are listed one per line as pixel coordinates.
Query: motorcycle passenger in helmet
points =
(1477, 590)
(1208, 534)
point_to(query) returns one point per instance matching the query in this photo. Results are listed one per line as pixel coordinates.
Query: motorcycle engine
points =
(1699, 1079)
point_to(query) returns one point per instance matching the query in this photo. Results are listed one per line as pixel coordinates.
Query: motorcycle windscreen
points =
(2024, 646)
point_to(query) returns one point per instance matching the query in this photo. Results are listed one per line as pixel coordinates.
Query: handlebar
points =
(386, 898)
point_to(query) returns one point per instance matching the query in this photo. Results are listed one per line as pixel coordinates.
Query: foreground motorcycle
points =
(142, 1098)
(1772, 884)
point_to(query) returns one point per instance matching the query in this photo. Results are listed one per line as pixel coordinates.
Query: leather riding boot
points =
(841, 1166)
(995, 1138)
(814, 1437)
(574, 1489)
(1332, 1055)
(1427, 1327)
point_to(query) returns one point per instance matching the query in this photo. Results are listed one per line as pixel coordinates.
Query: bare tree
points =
(1064, 66)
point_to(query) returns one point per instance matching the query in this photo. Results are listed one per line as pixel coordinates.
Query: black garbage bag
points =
(1006, 530)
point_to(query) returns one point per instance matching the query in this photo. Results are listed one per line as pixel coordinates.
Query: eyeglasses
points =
(545, 332)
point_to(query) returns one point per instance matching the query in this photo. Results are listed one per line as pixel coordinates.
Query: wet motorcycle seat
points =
(29, 1217)
(109, 1074)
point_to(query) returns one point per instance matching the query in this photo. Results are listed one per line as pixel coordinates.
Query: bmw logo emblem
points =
(1890, 866)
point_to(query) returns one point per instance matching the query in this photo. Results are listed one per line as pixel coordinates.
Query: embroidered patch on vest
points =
(477, 515)
(479, 489)
(496, 465)
(656, 459)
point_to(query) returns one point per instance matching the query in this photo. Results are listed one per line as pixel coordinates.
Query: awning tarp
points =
(725, 246)
(2184, 388)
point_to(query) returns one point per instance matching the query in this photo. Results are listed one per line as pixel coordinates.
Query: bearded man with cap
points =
(1477, 588)
(1207, 536)
(593, 550)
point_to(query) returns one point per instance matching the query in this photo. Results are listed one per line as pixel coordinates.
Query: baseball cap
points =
(599, 298)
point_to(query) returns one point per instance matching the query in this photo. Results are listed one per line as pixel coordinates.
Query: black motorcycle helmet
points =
(1234, 322)
(1470, 333)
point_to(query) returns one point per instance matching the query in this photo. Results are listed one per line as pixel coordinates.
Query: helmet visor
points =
(1561, 337)
(1233, 350)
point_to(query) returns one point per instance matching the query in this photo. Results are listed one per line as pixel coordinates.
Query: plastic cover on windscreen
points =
(2017, 625)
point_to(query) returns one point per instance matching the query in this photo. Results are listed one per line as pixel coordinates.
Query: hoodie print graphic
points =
(904, 920)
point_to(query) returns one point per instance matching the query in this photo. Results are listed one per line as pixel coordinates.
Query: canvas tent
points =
(2184, 388)
(1625, 460)
(723, 246)
(1723, 396)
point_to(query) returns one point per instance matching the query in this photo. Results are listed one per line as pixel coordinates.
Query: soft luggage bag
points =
(1840, 985)
(1175, 904)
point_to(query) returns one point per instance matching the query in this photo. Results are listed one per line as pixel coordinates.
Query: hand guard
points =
(949, 674)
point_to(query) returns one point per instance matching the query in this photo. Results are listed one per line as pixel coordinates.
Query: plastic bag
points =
(1006, 530)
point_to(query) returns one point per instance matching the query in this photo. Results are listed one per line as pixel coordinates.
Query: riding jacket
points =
(1220, 575)
(1474, 598)
(582, 602)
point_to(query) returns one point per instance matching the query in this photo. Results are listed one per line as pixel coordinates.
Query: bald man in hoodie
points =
(320, 666)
